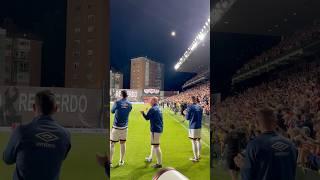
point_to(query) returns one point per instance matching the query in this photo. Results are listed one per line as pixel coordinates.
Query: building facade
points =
(2, 54)
(87, 46)
(146, 74)
(20, 59)
(116, 80)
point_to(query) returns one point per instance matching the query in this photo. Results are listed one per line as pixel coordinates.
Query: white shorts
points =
(118, 134)
(155, 138)
(195, 134)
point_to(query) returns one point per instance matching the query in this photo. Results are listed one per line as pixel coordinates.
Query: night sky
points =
(143, 27)
(138, 28)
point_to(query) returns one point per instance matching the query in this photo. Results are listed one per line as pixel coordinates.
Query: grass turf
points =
(80, 163)
(219, 173)
(175, 146)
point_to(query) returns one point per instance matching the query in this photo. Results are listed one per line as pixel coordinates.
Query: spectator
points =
(39, 148)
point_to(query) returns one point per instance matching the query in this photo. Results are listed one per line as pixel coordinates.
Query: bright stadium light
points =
(202, 36)
(194, 46)
(199, 38)
(176, 66)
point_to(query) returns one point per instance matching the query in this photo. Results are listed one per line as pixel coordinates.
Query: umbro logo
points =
(279, 146)
(47, 136)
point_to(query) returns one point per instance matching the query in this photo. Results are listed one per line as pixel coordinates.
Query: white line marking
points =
(188, 129)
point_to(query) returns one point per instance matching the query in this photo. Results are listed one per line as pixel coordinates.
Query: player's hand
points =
(185, 112)
(101, 159)
(239, 160)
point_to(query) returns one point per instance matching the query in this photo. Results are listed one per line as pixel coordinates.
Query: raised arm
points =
(188, 113)
(10, 153)
(148, 115)
(114, 107)
(248, 169)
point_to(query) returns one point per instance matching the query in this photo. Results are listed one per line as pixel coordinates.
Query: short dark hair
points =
(124, 94)
(45, 101)
(194, 99)
(267, 115)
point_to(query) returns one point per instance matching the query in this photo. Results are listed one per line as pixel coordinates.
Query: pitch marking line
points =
(188, 129)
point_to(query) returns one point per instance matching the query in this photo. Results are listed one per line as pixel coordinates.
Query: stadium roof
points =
(199, 59)
(268, 17)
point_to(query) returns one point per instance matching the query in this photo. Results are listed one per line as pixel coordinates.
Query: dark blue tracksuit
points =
(270, 157)
(121, 108)
(155, 116)
(38, 149)
(194, 116)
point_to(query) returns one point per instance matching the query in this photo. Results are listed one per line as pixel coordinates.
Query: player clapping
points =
(156, 127)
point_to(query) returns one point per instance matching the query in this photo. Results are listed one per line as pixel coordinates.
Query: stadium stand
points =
(203, 76)
(294, 94)
(288, 47)
(284, 77)
(202, 92)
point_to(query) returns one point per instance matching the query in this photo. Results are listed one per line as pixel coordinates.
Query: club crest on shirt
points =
(47, 136)
(279, 146)
(124, 105)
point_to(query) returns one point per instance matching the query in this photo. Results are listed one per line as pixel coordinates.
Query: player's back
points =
(42, 146)
(194, 115)
(122, 109)
(274, 157)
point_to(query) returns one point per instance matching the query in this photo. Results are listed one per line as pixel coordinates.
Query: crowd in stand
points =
(295, 100)
(298, 40)
(202, 92)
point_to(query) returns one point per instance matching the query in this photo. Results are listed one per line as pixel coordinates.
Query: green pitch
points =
(218, 172)
(80, 163)
(175, 146)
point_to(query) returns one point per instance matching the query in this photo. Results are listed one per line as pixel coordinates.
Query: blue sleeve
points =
(130, 107)
(107, 169)
(315, 160)
(188, 115)
(69, 144)
(10, 153)
(247, 171)
(114, 107)
(149, 114)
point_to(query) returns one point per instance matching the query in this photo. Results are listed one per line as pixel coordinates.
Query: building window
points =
(90, 41)
(77, 43)
(75, 76)
(78, 8)
(23, 55)
(76, 53)
(90, 76)
(23, 43)
(76, 65)
(91, 19)
(91, 29)
(77, 19)
(20, 55)
(77, 30)
(24, 67)
(90, 64)
(90, 52)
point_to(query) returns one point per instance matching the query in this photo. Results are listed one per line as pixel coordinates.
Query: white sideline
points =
(188, 129)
